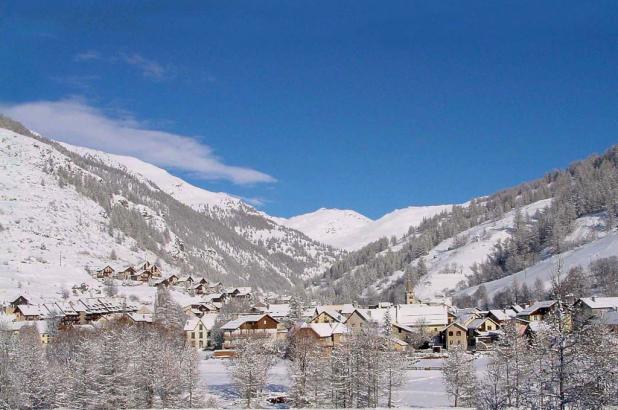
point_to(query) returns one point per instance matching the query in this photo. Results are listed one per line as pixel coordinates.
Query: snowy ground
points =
(423, 388)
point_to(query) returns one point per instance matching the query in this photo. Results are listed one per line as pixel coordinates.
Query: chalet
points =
(538, 311)
(214, 298)
(142, 319)
(397, 344)
(29, 312)
(197, 331)
(402, 332)
(328, 335)
(153, 269)
(106, 272)
(482, 332)
(199, 288)
(594, 307)
(249, 325)
(502, 315)
(126, 274)
(357, 319)
(216, 287)
(323, 315)
(186, 281)
(279, 311)
(13, 303)
(455, 334)
(199, 309)
(432, 318)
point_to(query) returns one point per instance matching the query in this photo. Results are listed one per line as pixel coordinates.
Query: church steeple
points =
(410, 299)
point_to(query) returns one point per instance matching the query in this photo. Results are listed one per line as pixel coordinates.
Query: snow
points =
(422, 388)
(350, 230)
(448, 266)
(195, 197)
(601, 248)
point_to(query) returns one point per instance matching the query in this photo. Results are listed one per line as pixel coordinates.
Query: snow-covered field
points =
(423, 388)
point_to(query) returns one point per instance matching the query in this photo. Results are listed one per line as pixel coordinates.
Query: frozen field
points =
(423, 388)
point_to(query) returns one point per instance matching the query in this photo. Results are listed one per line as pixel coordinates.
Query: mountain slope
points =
(488, 239)
(350, 230)
(55, 202)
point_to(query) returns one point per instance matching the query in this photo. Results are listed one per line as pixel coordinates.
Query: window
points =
(201, 335)
(399, 330)
(459, 342)
(450, 342)
(450, 333)
(458, 333)
(192, 335)
(201, 327)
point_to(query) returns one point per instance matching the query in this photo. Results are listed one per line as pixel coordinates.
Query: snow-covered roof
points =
(236, 323)
(279, 310)
(191, 324)
(347, 309)
(544, 304)
(326, 329)
(32, 310)
(476, 323)
(141, 317)
(600, 302)
(415, 314)
(503, 314)
(330, 312)
(209, 320)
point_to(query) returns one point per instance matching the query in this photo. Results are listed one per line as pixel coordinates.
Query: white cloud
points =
(78, 123)
(149, 68)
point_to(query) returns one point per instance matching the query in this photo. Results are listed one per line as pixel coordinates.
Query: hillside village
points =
(415, 325)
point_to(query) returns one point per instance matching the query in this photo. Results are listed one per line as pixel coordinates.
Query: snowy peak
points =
(351, 230)
(328, 225)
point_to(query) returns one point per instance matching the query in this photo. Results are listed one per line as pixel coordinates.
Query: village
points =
(415, 325)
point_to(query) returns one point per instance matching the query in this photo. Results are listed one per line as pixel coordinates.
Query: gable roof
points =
(236, 323)
(476, 323)
(326, 329)
(544, 304)
(600, 302)
(503, 314)
(332, 313)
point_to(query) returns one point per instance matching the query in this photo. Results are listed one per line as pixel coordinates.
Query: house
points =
(142, 319)
(594, 307)
(402, 332)
(200, 289)
(126, 274)
(249, 326)
(502, 315)
(609, 319)
(483, 332)
(279, 310)
(216, 287)
(152, 268)
(106, 272)
(537, 311)
(197, 331)
(357, 319)
(29, 312)
(432, 318)
(323, 315)
(186, 281)
(214, 298)
(455, 334)
(199, 309)
(13, 303)
(327, 335)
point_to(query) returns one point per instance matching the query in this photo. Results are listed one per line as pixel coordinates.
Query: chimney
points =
(594, 298)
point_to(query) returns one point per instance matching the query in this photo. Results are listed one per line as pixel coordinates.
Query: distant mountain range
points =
(64, 209)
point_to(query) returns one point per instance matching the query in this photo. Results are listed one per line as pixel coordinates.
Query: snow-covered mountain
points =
(350, 230)
(330, 226)
(62, 211)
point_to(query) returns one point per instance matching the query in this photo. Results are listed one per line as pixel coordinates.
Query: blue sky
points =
(300, 105)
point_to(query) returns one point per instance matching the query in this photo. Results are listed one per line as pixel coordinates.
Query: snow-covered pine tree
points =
(249, 367)
(460, 377)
